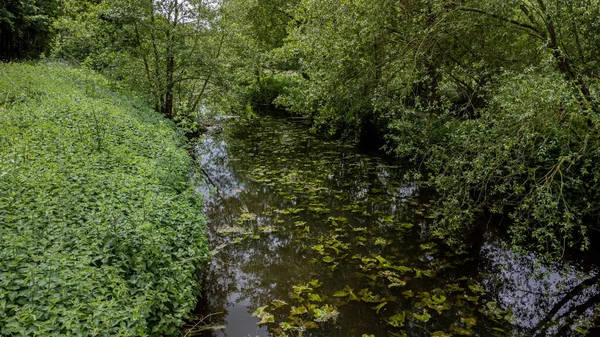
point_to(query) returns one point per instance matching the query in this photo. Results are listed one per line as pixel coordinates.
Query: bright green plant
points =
(100, 232)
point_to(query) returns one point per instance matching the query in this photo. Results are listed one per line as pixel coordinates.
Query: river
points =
(315, 238)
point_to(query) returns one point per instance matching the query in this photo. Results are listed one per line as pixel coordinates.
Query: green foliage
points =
(162, 50)
(26, 27)
(263, 93)
(495, 103)
(100, 234)
(530, 154)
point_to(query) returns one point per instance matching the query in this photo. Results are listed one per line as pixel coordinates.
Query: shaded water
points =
(317, 239)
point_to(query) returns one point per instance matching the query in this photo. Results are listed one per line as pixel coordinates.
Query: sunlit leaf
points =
(315, 298)
(315, 283)
(408, 294)
(298, 310)
(311, 325)
(328, 259)
(469, 321)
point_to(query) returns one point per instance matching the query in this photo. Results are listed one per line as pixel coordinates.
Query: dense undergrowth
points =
(100, 232)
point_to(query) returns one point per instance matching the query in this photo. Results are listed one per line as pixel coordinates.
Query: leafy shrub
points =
(100, 232)
(262, 94)
(531, 154)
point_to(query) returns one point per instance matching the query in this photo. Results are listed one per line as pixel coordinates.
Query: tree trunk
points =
(169, 87)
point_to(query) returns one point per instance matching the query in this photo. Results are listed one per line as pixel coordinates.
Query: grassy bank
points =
(100, 231)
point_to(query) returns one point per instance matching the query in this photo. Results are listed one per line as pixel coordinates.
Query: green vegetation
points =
(164, 50)
(26, 27)
(495, 103)
(100, 232)
(506, 92)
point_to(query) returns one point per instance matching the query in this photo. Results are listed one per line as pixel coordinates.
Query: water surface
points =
(317, 239)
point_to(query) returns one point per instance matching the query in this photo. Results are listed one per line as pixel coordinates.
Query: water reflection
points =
(545, 299)
(329, 241)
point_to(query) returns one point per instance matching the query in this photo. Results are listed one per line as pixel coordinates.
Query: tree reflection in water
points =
(291, 209)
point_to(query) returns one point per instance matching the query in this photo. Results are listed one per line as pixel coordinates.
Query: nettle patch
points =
(100, 233)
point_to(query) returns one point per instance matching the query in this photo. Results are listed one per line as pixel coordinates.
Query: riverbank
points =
(101, 232)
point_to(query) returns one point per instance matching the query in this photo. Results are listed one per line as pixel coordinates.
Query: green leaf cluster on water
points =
(100, 231)
(359, 238)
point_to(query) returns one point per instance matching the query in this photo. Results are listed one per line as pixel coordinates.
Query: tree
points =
(26, 27)
(162, 49)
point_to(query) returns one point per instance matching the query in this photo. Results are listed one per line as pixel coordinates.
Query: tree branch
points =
(519, 24)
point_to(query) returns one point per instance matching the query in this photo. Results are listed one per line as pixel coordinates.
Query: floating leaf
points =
(406, 225)
(319, 248)
(311, 325)
(438, 299)
(278, 304)
(408, 294)
(338, 219)
(400, 283)
(299, 289)
(287, 326)
(315, 298)
(328, 259)
(398, 334)
(427, 246)
(325, 313)
(472, 298)
(264, 316)
(469, 321)
(259, 311)
(476, 288)
(382, 261)
(453, 287)
(381, 242)
(397, 320)
(402, 269)
(315, 283)
(267, 229)
(440, 334)
(347, 292)
(298, 310)
(378, 307)
(424, 317)
(368, 296)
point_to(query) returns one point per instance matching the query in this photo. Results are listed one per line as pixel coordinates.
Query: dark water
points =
(317, 239)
